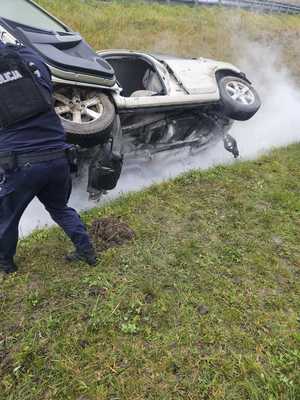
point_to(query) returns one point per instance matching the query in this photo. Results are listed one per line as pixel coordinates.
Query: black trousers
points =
(51, 183)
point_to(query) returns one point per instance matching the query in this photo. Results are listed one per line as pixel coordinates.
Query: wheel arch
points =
(221, 72)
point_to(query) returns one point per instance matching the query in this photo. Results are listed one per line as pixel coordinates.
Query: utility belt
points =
(10, 160)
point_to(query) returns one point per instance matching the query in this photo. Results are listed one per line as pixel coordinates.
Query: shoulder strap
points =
(21, 95)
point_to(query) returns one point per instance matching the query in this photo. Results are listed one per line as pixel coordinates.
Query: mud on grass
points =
(110, 232)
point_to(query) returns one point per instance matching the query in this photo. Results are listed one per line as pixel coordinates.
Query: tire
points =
(87, 115)
(239, 99)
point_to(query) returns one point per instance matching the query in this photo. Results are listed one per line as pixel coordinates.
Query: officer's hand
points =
(34, 69)
(2, 176)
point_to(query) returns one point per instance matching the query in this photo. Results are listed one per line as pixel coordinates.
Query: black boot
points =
(7, 266)
(88, 256)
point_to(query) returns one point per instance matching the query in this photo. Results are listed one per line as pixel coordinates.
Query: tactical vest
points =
(21, 97)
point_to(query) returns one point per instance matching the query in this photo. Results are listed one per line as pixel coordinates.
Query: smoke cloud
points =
(276, 124)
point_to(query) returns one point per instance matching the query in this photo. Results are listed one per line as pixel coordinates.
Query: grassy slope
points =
(191, 31)
(136, 327)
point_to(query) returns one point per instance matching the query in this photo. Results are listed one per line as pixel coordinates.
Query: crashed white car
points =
(167, 101)
(146, 103)
(162, 101)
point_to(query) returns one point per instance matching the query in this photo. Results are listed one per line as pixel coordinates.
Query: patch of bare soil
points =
(110, 232)
(6, 364)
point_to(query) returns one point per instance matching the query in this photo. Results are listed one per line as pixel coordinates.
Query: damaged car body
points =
(168, 102)
(117, 102)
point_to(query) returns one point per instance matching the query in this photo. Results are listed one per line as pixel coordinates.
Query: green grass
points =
(189, 31)
(203, 304)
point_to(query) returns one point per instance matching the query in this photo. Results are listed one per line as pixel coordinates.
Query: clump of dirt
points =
(110, 232)
(6, 363)
(98, 291)
(202, 309)
(149, 298)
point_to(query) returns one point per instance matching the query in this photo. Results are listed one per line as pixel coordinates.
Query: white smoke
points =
(278, 121)
(276, 124)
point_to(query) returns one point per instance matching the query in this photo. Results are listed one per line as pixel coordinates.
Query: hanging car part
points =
(230, 145)
(105, 169)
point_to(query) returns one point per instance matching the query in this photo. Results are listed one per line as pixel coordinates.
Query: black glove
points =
(2, 176)
(72, 155)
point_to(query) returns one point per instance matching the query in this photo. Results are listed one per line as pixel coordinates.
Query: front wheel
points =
(239, 98)
(87, 115)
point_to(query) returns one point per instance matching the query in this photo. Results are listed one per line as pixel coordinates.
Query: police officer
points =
(33, 161)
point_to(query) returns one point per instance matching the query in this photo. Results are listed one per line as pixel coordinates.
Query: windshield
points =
(25, 13)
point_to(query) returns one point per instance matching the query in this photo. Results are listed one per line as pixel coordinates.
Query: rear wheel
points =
(86, 114)
(239, 98)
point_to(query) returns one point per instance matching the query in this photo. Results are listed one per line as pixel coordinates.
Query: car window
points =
(25, 13)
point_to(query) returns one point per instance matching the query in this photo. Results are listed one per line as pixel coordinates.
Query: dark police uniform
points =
(33, 163)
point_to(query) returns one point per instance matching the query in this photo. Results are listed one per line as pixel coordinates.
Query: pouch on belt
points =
(7, 183)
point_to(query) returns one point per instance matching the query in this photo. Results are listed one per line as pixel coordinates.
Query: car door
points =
(187, 85)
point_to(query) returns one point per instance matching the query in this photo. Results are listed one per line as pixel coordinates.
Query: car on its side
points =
(166, 101)
(150, 102)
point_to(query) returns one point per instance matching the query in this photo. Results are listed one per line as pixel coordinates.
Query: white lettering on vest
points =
(10, 76)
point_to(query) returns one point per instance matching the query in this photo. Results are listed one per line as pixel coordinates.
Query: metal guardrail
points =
(254, 5)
